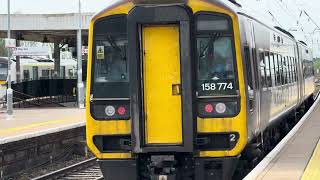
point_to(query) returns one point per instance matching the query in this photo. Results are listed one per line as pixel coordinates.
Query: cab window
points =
(110, 65)
(215, 56)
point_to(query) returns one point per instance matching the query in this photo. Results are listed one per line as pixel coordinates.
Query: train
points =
(185, 89)
(36, 68)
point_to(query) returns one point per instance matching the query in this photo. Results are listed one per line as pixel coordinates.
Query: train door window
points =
(110, 65)
(268, 73)
(249, 77)
(262, 69)
(272, 70)
(26, 75)
(248, 67)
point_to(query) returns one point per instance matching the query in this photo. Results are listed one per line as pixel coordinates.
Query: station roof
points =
(35, 27)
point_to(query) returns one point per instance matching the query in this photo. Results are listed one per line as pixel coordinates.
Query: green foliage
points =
(3, 50)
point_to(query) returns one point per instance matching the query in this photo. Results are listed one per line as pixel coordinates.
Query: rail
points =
(88, 169)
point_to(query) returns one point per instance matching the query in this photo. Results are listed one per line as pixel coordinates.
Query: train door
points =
(254, 91)
(160, 67)
(162, 93)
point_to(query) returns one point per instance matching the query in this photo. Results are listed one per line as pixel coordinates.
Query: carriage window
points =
(262, 69)
(295, 69)
(277, 71)
(215, 56)
(268, 73)
(285, 70)
(110, 65)
(3, 71)
(280, 66)
(272, 70)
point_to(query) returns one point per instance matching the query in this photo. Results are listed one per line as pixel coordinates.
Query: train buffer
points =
(297, 156)
(29, 123)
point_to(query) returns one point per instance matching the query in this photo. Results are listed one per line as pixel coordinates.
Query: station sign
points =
(9, 43)
(31, 51)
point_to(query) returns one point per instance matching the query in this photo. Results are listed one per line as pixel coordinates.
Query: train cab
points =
(166, 92)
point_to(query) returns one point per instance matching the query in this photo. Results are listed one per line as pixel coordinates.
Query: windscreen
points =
(110, 65)
(215, 56)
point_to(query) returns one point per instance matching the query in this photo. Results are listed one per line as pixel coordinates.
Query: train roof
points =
(231, 5)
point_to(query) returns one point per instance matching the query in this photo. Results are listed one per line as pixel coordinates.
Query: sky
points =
(285, 13)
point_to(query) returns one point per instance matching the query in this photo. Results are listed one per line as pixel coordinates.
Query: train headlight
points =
(221, 108)
(110, 111)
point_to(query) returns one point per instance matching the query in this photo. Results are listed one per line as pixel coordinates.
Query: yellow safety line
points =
(26, 127)
(312, 172)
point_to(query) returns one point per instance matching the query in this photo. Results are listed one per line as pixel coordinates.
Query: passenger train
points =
(36, 68)
(182, 89)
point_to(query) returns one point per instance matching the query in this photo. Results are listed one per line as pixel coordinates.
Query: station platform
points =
(29, 123)
(297, 156)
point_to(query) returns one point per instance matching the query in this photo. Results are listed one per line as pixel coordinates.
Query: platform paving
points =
(292, 161)
(30, 122)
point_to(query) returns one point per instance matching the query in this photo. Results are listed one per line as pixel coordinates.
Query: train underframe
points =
(179, 166)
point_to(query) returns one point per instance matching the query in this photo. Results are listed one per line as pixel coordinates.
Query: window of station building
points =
(215, 56)
(272, 70)
(110, 66)
(262, 69)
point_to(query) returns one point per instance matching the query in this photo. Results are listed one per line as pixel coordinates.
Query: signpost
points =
(31, 51)
(9, 44)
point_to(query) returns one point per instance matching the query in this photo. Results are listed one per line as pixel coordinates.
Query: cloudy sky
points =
(285, 13)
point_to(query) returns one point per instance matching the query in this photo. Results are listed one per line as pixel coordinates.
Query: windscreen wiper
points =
(116, 47)
(212, 39)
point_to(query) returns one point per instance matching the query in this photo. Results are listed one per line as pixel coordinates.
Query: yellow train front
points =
(158, 107)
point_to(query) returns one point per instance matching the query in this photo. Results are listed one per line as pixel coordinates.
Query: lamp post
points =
(9, 90)
(80, 85)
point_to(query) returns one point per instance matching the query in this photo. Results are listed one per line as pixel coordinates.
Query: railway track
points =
(88, 170)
